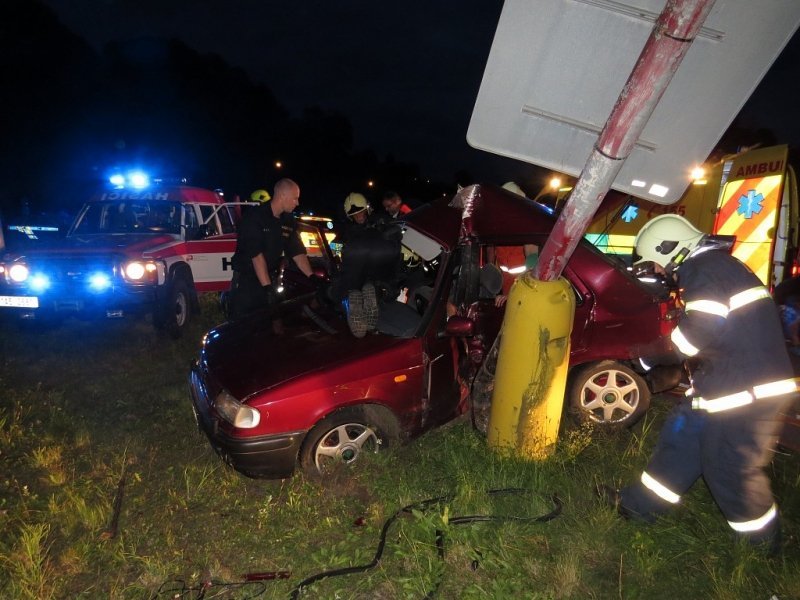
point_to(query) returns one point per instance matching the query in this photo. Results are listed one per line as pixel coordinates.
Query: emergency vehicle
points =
(752, 196)
(133, 248)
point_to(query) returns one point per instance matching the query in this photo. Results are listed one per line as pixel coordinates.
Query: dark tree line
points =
(70, 115)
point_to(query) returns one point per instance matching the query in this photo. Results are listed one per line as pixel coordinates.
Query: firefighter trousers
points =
(729, 450)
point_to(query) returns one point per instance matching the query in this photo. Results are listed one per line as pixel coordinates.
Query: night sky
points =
(405, 74)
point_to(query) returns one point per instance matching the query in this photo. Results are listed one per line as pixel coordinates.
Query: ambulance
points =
(752, 196)
(135, 247)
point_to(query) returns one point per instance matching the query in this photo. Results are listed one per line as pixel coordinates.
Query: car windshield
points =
(129, 216)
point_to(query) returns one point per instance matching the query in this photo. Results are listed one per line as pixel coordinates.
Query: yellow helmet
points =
(260, 196)
(667, 240)
(355, 203)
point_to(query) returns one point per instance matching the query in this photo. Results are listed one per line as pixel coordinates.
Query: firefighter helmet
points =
(667, 240)
(260, 196)
(355, 203)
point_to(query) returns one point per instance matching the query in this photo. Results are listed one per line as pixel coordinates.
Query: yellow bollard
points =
(532, 364)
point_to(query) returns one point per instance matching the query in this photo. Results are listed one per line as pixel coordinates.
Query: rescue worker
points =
(394, 206)
(370, 261)
(265, 233)
(741, 379)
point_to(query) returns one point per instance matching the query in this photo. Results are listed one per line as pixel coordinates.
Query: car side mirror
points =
(458, 326)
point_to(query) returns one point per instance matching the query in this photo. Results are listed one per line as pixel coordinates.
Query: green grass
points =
(87, 404)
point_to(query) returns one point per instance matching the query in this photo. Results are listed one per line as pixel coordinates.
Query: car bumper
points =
(117, 302)
(268, 456)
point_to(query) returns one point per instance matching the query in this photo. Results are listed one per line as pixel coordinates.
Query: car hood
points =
(247, 357)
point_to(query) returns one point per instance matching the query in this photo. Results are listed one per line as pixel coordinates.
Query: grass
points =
(89, 404)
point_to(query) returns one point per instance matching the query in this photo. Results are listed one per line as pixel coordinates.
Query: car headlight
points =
(143, 271)
(234, 412)
(18, 272)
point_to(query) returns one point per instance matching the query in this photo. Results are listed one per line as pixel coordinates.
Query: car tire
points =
(482, 389)
(175, 312)
(608, 393)
(340, 438)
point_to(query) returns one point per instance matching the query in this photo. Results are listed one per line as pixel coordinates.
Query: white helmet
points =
(667, 240)
(355, 203)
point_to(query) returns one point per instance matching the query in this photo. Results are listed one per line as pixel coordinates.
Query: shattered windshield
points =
(129, 216)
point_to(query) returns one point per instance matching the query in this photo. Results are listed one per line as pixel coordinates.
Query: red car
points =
(313, 395)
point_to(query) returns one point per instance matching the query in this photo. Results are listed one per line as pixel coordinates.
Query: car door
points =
(442, 395)
(210, 254)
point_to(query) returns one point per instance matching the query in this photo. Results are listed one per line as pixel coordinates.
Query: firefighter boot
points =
(612, 498)
(370, 298)
(356, 318)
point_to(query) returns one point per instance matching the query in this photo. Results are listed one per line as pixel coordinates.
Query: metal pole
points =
(668, 43)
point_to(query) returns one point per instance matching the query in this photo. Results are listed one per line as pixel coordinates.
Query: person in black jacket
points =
(741, 380)
(266, 232)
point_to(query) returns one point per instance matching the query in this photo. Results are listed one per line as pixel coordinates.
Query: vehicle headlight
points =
(18, 272)
(39, 283)
(141, 271)
(237, 414)
(99, 281)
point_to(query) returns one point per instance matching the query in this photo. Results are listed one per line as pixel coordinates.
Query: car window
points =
(209, 219)
(312, 240)
(225, 220)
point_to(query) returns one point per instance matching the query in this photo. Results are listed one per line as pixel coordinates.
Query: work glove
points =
(270, 296)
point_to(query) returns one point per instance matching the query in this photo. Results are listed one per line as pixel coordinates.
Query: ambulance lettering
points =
(762, 168)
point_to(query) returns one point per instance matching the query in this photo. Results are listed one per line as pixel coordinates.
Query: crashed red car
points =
(308, 393)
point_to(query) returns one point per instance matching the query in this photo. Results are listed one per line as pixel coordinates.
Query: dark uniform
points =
(260, 232)
(741, 379)
(371, 252)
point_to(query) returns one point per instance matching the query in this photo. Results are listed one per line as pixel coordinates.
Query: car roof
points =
(482, 211)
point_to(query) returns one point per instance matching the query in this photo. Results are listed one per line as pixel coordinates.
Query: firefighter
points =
(370, 261)
(729, 334)
(265, 233)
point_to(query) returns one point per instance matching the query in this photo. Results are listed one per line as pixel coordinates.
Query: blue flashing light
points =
(138, 180)
(99, 281)
(39, 283)
(117, 180)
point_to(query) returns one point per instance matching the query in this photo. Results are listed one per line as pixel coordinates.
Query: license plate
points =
(20, 301)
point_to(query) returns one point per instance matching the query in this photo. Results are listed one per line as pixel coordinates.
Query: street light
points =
(278, 164)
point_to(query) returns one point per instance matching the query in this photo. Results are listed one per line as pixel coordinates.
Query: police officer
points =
(265, 233)
(741, 380)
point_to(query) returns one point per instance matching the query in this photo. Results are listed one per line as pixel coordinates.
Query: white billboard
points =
(556, 68)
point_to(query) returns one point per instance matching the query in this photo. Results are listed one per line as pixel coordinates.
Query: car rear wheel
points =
(608, 393)
(341, 438)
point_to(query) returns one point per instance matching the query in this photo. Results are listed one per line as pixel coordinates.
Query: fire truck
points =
(133, 248)
(752, 196)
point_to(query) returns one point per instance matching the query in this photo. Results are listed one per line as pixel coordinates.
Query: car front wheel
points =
(174, 314)
(608, 393)
(341, 438)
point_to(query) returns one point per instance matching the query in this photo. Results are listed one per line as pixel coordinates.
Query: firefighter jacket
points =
(731, 329)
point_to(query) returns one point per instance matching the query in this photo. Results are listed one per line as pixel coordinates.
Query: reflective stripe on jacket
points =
(731, 329)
